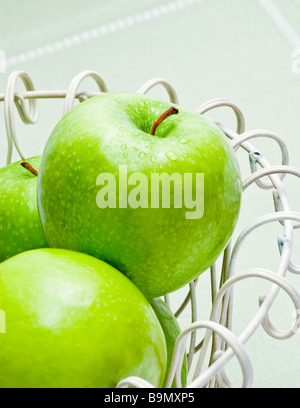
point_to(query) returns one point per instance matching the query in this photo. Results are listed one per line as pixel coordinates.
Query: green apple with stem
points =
(149, 187)
(20, 225)
(172, 330)
(73, 321)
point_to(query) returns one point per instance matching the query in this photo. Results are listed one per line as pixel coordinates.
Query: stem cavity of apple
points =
(165, 115)
(28, 167)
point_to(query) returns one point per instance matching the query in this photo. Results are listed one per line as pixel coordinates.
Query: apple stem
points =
(165, 115)
(28, 167)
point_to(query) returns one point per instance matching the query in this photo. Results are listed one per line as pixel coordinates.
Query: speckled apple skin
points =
(20, 225)
(73, 321)
(158, 249)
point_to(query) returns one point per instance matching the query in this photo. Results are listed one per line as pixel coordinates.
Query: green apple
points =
(73, 321)
(20, 225)
(106, 177)
(171, 329)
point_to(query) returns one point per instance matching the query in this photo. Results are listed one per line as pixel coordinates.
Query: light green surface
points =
(207, 49)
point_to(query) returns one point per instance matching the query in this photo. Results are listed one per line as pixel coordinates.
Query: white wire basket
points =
(219, 344)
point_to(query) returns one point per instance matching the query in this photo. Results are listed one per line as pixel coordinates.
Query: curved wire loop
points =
(11, 98)
(277, 202)
(293, 268)
(74, 85)
(289, 215)
(256, 156)
(202, 380)
(224, 102)
(279, 281)
(144, 89)
(276, 198)
(135, 382)
(280, 170)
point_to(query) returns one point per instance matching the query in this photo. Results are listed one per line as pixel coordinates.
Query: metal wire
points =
(219, 340)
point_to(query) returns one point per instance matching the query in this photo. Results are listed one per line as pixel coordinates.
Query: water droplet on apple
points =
(184, 141)
(125, 155)
(172, 156)
(142, 155)
(135, 148)
(123, 147)
(153, 159)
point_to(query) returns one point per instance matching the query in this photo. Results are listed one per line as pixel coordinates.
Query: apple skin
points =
(158, 249)
(20, 225)
(73, 321)
(171, 329)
